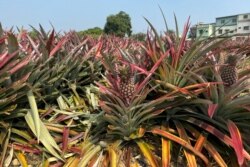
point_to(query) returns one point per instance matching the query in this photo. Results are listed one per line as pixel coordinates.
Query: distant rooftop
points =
(232, 15)
(201, 23)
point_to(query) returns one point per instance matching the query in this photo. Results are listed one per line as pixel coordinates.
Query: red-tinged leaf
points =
(246, 155)
(223, 137)
(76, 137)
(75, 150)
(61, 118)
(184, 91)
(134, 66)
(48, 112)
(4, 58)
(209, 147)
(58, 46)
(200, 85)
(34, 46)
(58, 164)
(20, 65)
(211, 109)
(156, 65)
(2, 39)
(103, 89)
(157, 112)
(65, 139)
(93, 161)
(236, 141)
(50, 41)
(98, 50)
(26, 148)
(182, 42)
(127, 156)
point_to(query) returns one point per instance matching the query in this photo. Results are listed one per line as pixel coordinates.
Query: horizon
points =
(79, 15)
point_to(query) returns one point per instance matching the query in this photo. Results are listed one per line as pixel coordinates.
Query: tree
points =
(139, 36)
(94, 32)
(119, 24)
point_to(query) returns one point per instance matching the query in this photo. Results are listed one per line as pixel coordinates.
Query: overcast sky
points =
(84, 14)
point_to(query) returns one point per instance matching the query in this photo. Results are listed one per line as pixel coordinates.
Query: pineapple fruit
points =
(127, 88)
(127, 83)
(229, 72)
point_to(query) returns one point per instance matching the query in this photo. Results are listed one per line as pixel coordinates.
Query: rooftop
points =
(232, 15)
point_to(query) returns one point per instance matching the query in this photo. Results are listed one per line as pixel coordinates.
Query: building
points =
(201, 30)
(226, 26)
(205, 30)
(237, 26)
(243, 24)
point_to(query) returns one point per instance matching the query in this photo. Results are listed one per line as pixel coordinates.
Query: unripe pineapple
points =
(127, 87)
(127, 83)
(229, 72)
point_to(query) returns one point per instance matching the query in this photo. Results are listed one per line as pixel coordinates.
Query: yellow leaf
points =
(166, 155)
(22, 159)
(113, 157)
(147, 153)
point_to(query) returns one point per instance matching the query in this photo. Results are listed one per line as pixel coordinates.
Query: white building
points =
(226, 26)
(243, 24)
(237, 26)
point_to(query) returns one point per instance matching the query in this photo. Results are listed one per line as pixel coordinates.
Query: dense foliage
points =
(94, 32)
(119, 25)
(73, 101)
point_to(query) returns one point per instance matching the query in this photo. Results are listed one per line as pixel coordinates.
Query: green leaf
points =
(46, 139)
(164, 18)
(12, 43)
(34, 113)
(4, 139)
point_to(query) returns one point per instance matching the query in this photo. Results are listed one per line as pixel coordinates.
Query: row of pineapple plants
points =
(68, 101)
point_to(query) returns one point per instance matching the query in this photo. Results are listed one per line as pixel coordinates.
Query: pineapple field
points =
(70, 101)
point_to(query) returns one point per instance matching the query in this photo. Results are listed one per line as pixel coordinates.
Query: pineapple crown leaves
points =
(124, 120)
(232, 60)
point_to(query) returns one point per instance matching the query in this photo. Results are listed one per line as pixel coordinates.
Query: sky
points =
(80, 15)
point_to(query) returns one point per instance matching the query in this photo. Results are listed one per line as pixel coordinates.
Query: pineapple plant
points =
(229, 73)
(152, 107)
(42, 75)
